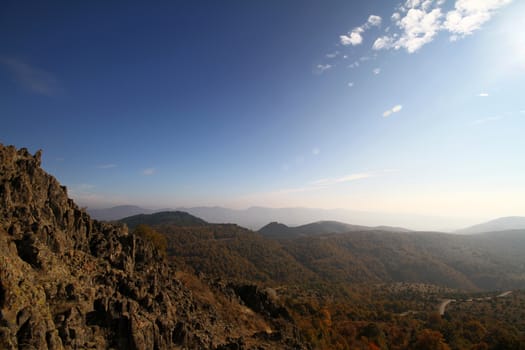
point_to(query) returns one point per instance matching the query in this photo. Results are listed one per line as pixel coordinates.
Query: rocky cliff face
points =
(69, 282)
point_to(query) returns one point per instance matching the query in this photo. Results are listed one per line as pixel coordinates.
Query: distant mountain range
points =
(278, 230)
(118, 212)
(500, 224)
(335, 252)
(256, 217)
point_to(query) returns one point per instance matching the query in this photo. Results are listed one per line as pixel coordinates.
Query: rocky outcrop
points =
(69, 282)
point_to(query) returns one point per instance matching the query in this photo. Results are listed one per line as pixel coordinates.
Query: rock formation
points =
(69, 282)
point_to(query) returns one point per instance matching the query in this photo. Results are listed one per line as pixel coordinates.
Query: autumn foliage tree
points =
(430, 340)
(149, 234)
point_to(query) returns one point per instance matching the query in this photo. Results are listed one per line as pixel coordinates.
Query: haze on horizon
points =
(413, 108)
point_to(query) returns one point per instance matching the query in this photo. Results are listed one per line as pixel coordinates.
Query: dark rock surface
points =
(69, 282)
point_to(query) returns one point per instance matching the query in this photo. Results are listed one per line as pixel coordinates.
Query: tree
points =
(430, 340)
(149, 234)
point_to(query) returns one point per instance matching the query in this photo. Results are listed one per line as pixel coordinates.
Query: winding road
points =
(443, 305)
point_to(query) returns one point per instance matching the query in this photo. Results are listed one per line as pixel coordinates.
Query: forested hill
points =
(177, 218)
(481, 262)
(282, 231)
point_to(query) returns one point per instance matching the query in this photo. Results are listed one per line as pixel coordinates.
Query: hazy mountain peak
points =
(499, 224)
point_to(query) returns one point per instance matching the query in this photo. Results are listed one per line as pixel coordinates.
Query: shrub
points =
(149, 234)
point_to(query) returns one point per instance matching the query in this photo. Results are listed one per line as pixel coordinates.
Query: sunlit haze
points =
(413, 109)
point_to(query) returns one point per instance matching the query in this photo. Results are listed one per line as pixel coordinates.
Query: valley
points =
(172, 280)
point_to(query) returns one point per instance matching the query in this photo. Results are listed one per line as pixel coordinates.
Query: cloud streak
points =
(395, 109)
(106, 166)
(149, 171)
(31, 78)
(486, 120)
(347, 178)
(321, 68)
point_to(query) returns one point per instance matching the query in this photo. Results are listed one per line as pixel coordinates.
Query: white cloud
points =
(420, 21)
(469, 15)
(419, 28)
(376, 71)
(351, 84)
(394, 109)
(483, 94)
(321, 68)
(374, 20)
(316, 151)
(353, 65)
(412, 3)
(107, 166)
(332, 54)
(384, 42)
(353, 38)
(31, 78)
(149, 171)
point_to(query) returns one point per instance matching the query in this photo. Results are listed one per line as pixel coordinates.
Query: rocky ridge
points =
(69, 282)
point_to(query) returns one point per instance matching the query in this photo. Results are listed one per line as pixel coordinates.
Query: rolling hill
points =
(176, 218)
(500, 224)
(347, 254)
(280, 231)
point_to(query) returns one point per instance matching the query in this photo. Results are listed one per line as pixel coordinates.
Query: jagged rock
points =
(69, 282)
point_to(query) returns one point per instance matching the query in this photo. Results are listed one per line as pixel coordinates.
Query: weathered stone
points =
(68, 282)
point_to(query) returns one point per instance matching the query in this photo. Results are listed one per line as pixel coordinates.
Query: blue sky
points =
(411, 107)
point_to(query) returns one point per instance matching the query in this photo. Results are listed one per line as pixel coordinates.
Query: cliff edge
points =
(69, 282)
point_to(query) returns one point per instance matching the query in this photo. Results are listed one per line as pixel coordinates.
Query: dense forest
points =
(370, 289)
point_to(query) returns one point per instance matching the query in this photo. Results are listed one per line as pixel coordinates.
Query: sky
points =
(412, 107)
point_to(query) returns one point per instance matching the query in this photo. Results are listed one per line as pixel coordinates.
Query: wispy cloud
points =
(376, 71)
(483, 94)
(31, 78)
(351, 84)
(337, 180)
(316, 151)
(332, 54)
(392, 110)
(487, 120)
(321, 68)
(106, 166)
(149, 171)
